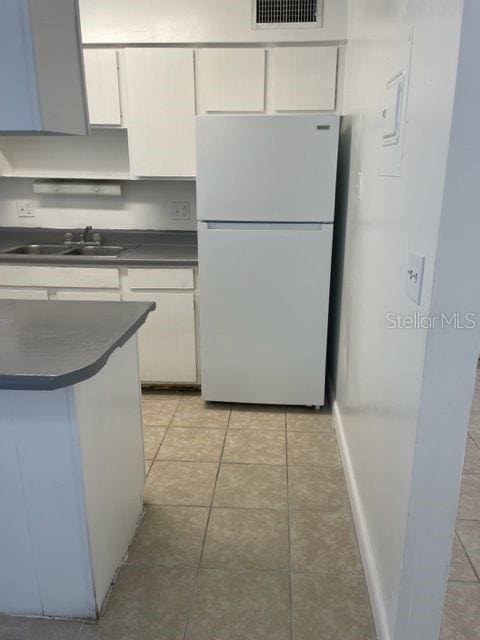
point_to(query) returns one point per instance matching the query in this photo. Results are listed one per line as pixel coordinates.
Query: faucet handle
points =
(97, 237)
(68, 237)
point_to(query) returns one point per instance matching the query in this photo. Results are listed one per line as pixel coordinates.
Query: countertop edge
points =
(91, 261)
(69, 378)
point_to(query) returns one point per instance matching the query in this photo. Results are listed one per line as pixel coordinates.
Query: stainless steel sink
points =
(40, 249)
(96, 250)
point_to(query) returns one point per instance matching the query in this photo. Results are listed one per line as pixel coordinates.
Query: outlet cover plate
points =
(181, 210)
(25, 209)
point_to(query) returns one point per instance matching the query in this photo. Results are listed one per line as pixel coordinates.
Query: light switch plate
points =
(415, 267)
(25, 209)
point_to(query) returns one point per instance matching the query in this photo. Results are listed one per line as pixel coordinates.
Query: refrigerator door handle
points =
(266, 226)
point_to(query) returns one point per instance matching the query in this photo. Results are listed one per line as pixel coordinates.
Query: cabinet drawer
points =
(111, 296)
(27, 276)
(160, 279)
(23, 294)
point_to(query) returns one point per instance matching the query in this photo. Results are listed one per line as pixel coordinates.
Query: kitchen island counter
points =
(51, 344)
(71, 452)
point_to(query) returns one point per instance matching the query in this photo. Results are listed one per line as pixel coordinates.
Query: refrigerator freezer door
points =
(264, 291)
(267, 168)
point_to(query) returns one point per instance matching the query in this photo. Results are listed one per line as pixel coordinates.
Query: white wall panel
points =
(144, 204)
(401, 449)
(164, 21)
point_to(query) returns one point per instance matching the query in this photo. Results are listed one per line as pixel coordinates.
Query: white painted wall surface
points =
(378, 373)
(143, 205)
(450, 364)
(205, 21)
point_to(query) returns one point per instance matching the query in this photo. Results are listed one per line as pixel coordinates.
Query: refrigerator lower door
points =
(264, 293)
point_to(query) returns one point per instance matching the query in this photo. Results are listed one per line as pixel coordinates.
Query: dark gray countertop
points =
(145, 248)
(46, 345)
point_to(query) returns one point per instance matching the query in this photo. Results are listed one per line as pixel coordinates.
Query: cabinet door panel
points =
(304, 78)
(167, 339)
(23, 294)
(161, 106)
(101, 79)
(232, 79)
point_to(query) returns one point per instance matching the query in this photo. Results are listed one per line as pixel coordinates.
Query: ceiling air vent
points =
(287, 12)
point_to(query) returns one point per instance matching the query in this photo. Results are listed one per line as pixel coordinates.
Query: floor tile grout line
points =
(163, 437)
(260, 464)
(163, 505)
(467, 556)
(195, 583)
(280, 572)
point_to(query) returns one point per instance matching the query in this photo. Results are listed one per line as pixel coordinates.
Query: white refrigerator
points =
(265, 210)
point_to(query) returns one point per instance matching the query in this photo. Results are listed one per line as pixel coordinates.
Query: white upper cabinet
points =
(101, 78)
(304, 78)
(41, 73)
(232, 79)
(161, 110)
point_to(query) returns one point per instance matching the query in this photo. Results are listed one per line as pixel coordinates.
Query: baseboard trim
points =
(366, 551)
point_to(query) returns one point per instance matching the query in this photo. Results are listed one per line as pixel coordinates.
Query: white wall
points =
(198, 21)
(144, 205)
(380, 375)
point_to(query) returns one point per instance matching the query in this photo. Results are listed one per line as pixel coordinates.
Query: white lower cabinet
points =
(167, 340)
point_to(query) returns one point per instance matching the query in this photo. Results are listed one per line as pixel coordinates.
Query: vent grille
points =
(286, 11)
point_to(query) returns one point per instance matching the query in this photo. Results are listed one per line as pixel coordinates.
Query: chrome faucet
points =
(85, 232)
(96, 237)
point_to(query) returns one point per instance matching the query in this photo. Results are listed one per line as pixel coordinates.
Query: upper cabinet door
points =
(101, 78)
(41, 72)
(161, 110)
(232, 79)
(304, 78)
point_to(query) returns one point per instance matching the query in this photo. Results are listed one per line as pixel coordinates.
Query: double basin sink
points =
(68, 250)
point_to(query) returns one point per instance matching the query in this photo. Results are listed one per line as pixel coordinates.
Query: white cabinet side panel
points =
(101, 78)
(167, 339)
(108, 414)
(48, 457)
(232, 79)
(304, 78)
(19, 593)
(161, 106)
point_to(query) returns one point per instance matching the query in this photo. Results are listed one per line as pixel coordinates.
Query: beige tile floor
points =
(247, 534)
(461, 620)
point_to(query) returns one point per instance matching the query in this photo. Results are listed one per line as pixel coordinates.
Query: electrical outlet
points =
(181, 211)
(25, 209)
